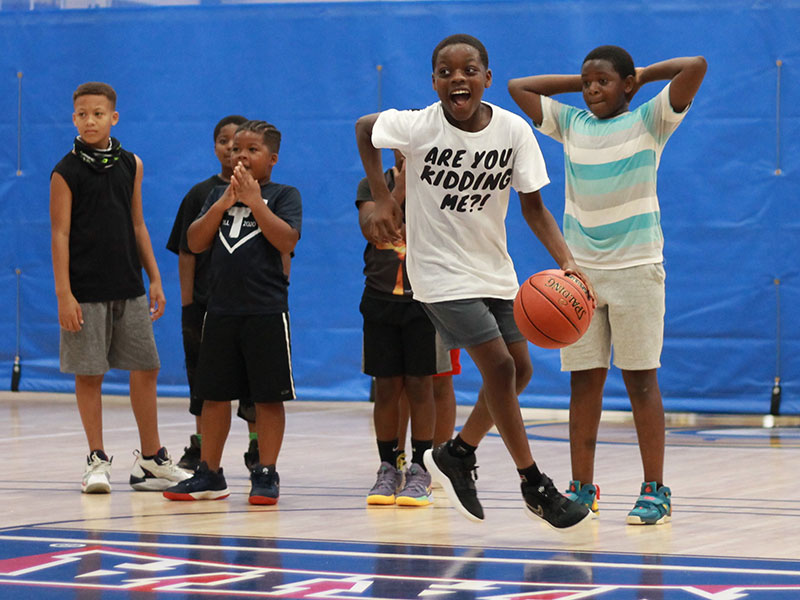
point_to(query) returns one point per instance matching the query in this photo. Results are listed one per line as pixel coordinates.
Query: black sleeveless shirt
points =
(103, 259)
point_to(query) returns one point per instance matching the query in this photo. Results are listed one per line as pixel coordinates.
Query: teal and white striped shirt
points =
(612, 218)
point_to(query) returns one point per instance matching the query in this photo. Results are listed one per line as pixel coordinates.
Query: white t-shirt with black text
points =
(457, 190)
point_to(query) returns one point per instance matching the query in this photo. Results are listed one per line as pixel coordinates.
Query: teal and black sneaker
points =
(653, 507)
(585, 493)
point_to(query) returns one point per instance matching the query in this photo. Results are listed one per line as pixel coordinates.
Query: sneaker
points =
(547, 503)
(265, 485)
(457, 477)
(155, 474)
(417, 489)
(203, 485)
(97, 476)
(386, 485)
(653, 507)
(586, 493)
(191, 454)
(252, 458)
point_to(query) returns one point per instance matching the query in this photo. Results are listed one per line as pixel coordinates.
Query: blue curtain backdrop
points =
(731, 222)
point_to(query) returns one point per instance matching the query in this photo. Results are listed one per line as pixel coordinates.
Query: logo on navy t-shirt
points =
(238, 226)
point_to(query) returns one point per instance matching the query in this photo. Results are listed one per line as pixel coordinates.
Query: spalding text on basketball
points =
(568, 298)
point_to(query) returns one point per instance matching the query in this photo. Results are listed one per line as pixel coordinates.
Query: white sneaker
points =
(97, 477)
(155, 474)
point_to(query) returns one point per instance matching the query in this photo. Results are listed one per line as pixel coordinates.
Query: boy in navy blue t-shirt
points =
(246, 347)
(193, 273)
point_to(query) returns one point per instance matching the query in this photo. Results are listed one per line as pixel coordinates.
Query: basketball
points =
(552, 309)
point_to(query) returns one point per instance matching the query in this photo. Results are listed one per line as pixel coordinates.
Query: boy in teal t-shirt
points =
(612, 224)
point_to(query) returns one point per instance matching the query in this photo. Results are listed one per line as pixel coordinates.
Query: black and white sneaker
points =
(155, 474)
(97, 476)
(544, 501)
(457, 477)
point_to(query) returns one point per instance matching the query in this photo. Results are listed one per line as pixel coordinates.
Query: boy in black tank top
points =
(100, 244)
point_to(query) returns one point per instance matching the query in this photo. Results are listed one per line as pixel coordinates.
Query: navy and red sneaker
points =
(205, 484)
(265, 485)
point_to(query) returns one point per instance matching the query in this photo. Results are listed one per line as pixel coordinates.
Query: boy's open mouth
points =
(460, 97)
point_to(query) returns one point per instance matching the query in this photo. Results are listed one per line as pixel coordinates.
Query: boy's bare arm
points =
(366, 210)
(686, 73)
(202, 231)
(544, 226)
(70, 316)
(387, 218)
(277, 231)
(527, 91)
(145, 248)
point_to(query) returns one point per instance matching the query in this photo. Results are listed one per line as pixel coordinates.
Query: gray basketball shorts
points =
(629, 318)
(115, 335)
(472, 321)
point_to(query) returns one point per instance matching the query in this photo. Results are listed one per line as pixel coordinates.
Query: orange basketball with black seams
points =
(552, 309)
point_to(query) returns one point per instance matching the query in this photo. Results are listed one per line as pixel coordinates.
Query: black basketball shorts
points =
(245, 356)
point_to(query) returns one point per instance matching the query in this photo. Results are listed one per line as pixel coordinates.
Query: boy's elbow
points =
(697, 66)
(193, 243)
(360, 126)
(516, 90)
(291, 242)
(364, 127)
(700, 63)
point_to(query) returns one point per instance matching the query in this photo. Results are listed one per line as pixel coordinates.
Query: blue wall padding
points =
(732, 225)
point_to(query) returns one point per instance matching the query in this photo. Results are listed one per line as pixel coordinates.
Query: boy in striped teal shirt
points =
(612, 225)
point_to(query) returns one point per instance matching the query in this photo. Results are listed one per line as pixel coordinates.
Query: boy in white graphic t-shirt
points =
(462, 157)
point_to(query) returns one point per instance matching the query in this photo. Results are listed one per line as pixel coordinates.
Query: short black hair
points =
(229, 120)
(618, 57)
(96, 88)
(461, 38)
(270, 133)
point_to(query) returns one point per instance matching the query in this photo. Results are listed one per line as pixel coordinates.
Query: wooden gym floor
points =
(735, 531)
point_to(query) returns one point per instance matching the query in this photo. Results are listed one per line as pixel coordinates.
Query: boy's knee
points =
(641, 385)
(419, 389)
(147, 374)
(270, 412)
(502, 370)
(524, 372)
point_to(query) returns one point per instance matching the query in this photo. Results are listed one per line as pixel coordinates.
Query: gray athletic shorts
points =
(467, 323)
(629, 317)
(115, 335)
